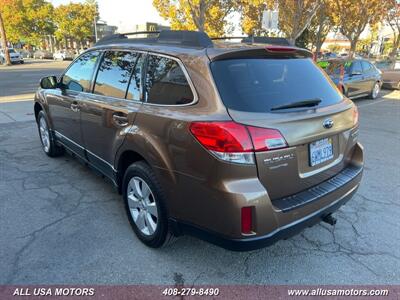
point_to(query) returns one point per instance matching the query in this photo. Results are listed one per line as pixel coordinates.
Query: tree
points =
(296, 16)
(320, 26)
(393, 19)
(75, 21)
(251, 15)
(352, 17)
(4, 42)
(27, 20)
(209, 16)
(303, 41)
(365, 45)
(335, 48)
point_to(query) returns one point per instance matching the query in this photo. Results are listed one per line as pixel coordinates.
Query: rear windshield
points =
(257, 85)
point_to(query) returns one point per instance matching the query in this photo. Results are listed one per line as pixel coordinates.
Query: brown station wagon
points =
(240, 144)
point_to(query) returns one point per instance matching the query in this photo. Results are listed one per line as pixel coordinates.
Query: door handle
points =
(120, 120)
(75, 106)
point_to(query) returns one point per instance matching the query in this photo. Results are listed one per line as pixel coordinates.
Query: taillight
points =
(265, 139)
(234, 142)
(355, 115)
(228, 141)
(222, 136)
(247, 220)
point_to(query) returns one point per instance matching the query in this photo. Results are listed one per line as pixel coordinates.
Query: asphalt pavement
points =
(60, 222)
(20, 81)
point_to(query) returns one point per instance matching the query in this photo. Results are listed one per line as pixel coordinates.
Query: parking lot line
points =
(372, 103)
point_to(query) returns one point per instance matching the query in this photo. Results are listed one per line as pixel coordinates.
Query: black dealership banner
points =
(230, 292)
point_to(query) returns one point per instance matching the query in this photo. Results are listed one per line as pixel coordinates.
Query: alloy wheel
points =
(44, 134)
(142, 206)
(375, 91)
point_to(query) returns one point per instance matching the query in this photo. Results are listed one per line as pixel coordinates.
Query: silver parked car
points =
(16, 57)
(42, 54)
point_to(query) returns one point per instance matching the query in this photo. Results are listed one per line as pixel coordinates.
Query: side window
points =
(134, 90)
(79, 75)
(114, 73)
(367, 67)
(166, 83)
(356, 67)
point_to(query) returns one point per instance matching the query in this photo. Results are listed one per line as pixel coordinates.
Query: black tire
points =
(373, 95)
(53, 150)
(161, 235)
(341, 89)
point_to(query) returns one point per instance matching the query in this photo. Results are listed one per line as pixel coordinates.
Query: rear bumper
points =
(284, 232)
(390, 84)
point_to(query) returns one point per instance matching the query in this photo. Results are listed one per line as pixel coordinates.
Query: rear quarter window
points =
(257, 85)
(166, 83)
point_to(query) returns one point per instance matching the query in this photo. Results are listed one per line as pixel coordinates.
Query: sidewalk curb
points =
(24, 97)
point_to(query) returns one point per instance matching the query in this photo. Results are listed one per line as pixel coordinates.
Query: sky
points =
(124, 13)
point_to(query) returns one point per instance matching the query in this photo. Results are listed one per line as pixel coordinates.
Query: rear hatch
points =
(292, 95)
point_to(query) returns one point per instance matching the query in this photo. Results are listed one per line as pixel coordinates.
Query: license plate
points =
(321, 151)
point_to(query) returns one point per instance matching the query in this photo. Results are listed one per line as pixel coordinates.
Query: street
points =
(62, 223)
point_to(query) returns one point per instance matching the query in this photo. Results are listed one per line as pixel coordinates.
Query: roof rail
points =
(169, 37)
(186, 38)
(120, 36)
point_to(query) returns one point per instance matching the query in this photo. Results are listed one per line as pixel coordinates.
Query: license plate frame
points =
(320, 151)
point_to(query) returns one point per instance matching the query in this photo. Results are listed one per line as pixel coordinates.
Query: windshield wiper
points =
(304, 103)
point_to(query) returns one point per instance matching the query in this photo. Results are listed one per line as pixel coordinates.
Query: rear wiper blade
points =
(304, 103)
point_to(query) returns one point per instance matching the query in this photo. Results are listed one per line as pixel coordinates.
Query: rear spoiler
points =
(271, 51)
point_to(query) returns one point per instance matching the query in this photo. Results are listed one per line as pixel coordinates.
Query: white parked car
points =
(15, 57)
(63, 55)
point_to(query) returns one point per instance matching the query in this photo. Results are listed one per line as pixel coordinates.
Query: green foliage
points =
(294, 16)
(353, 16)
(335, 48)
(30, 21)
(75, 20)
(27, 20)
(203, 15)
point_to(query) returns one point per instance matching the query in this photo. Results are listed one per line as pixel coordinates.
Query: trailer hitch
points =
(329, 219)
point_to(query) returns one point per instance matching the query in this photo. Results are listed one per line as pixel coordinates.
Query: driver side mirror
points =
(49, 83)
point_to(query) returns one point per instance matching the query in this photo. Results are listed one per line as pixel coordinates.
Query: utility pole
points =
(95, 29)
(95, 24)
(4, 42)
